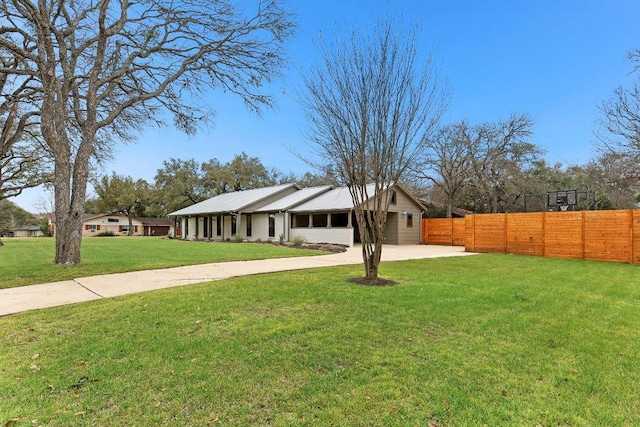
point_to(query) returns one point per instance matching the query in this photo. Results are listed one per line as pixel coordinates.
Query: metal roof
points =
(232, 202)
(294, 199)
(333, 200)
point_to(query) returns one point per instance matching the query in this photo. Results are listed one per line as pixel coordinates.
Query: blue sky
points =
(554, 60)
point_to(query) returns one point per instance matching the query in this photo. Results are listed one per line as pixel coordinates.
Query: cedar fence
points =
(591, 235)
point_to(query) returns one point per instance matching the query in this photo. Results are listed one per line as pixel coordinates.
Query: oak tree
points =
(99, 71)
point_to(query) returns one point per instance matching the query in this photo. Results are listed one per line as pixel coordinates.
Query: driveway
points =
(16, 300)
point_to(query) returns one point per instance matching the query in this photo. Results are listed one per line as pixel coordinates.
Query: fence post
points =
(506, 234)
(630, 236)
(451, 228)
(584, 242)
(468, 233)
(544, 234)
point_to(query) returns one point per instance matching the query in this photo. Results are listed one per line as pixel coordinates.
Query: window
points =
(186, 227)
(234, 225)
(92, 227)
(340, 219)
(218, 225)
(409, 220)
(124, 228)
(300, 221)
(272, 225)
(113, 220)
(319, 220)
(205, 227)
(394, 197)
(248, 225)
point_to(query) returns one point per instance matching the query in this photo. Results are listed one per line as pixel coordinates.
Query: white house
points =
(317, 214)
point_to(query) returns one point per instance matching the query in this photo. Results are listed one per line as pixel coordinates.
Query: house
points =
(316, 214)
(22, 231)
(230, 214)
(118, 224)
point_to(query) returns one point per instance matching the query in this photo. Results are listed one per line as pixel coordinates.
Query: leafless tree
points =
(499, 153)
(615, 176)
(371, 103)
(447, 162)
(619, 126)
(22, 156)
(101, 70)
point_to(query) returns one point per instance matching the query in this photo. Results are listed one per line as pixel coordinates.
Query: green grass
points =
(483, 340)
(30, 261)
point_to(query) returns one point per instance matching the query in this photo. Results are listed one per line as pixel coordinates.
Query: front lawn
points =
(484, 340)
(30, 261)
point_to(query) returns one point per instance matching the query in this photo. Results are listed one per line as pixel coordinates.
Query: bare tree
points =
(447, 162)
(101, 70)
(615, 176)
(371, 104)
(619, 127)
(499, 153)
(22, 156)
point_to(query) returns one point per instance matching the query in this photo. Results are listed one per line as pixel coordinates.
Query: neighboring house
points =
(317, 214)
(27, 231)
(22, 231)
(118, 224)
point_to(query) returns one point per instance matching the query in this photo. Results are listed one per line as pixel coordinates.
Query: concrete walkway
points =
(24, 298)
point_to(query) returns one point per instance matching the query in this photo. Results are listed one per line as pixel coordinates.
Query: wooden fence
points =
(443, 231)
(592, 235)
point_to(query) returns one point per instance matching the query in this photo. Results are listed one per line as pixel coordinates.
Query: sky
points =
(553, 60)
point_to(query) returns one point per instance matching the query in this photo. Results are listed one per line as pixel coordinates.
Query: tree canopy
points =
(95, 72)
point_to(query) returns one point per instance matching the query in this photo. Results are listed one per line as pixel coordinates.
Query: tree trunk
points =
(70, 192)
(130, 232)
(494, 199)
(371, 236)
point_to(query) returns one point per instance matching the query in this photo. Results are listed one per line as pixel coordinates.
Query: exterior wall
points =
(391, 229)
(398, 231)
(328, 234)
(260, 227)
(158, 230)
(102, 224)
(283, 226)
(189, 228)
(340, 236)
(27, 233)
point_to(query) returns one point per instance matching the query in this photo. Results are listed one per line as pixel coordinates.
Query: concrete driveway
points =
(16, 300)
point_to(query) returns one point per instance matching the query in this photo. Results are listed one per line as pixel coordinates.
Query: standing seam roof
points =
(336, 199)
(231, 202)
(294, 199)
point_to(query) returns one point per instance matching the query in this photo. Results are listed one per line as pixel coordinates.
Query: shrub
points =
(298, 240)
(105, 234)
(238, 239)
(281, 239)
